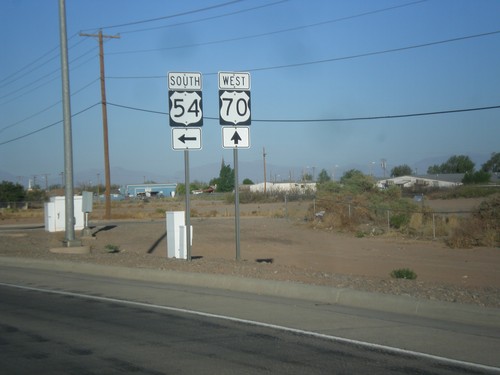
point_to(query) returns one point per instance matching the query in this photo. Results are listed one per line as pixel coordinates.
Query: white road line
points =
(267, 325)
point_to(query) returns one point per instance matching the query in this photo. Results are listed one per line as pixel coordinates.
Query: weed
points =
(112, 248)
(399, 220)
(403, 273)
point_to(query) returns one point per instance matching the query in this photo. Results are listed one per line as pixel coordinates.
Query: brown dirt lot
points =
(273, 247)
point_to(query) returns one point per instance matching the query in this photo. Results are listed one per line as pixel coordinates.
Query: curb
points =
(460, 313)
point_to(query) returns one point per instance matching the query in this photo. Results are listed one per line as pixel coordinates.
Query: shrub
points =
(481, 229)
(112, 248)
(403, 273)
(399, 220)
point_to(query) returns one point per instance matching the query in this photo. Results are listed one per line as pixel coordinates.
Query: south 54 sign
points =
(185, 99)
(185, 108)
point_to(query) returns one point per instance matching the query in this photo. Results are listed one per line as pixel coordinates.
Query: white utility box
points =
(176, 235)
(55, 214)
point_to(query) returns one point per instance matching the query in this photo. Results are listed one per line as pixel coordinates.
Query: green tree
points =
(401, 170)
(307, 177)
(455, 164)
(10, 192)
(247, 181)
(356, 181)
(180, 189)
(329, 187)
(434, 169)
(225, 181)
(36, 195)
(323, 177)
(479, 177)
(493, 164)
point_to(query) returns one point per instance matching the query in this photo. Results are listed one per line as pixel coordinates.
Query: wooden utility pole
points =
(107, 172)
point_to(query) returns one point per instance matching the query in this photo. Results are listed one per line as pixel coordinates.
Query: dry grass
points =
(481, 228)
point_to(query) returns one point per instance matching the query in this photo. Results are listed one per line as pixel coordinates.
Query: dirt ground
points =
(277, 248)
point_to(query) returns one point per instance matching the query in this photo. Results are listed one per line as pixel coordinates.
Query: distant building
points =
(284, 187)
(436, 181)
(149, 190)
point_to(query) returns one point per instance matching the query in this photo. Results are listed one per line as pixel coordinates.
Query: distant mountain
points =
(6, 176)
(254, 170)
(119, 176)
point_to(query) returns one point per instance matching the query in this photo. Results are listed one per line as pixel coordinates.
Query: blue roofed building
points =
(149, 190)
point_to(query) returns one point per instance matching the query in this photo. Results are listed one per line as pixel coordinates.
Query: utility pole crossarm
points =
(103, 36)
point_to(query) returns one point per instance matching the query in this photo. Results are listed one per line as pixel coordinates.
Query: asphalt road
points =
(58, 322)
(64, 333)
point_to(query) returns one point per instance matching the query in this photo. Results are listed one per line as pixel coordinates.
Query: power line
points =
(55, 71)
(253, 36)
(205, 18)
(384, 117)
(346, 119)
(43, 84)
(350, 57)
(365, 118)
(46, 108)
(199, 10)
(47, 126)
(40, 64)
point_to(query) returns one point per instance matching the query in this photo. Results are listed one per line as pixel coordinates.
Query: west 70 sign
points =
(234, 98)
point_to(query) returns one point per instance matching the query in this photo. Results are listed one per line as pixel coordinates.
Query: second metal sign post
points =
(186, 119)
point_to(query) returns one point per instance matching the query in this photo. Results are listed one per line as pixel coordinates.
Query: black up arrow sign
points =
(183, 138)
(236, 138)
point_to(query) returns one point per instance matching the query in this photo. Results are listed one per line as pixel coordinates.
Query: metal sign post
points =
(188, 209)
(234, 110)
(186, 119)
(236, 204)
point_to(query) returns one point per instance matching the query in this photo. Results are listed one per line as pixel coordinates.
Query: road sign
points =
(234, 98)
(185, 99)
(235, 137)
(184, 81)
(186, 138)
(234, 81)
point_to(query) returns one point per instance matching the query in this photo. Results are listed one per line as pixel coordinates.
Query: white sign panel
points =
(235, 137)
(234, 81)
(235, 107)
(185, 108)
(186, 138)
(185, 99)
(184, 81)
(234, 98)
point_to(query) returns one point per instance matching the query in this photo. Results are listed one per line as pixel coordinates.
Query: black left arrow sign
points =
(183, 138)
(235, 138)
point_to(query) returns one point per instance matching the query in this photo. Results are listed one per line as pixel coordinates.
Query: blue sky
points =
(309, 60)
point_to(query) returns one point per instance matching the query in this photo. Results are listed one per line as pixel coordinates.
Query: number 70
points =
(241, 106)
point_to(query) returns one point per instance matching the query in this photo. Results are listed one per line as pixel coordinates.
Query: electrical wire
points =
(12, 75)
(204, 19)
(47, 108)
(46, 83)
(350, 57)
(47, 126)
(199, 10)
(345, 119)
(55, 71)
(254, 36)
